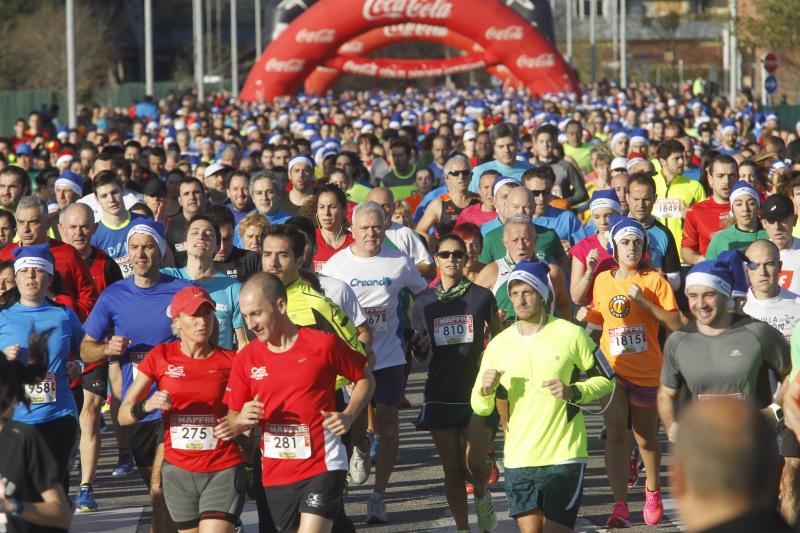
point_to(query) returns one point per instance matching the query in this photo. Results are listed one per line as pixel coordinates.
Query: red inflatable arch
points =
(323, 77)
(315, 37)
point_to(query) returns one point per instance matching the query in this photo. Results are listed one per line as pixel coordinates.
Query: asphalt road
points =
(415, 498)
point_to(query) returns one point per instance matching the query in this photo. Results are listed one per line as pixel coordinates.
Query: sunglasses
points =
(458, 254)
(540, 192)
(459, 172)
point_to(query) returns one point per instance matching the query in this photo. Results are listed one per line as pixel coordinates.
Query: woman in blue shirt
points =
(52, 409)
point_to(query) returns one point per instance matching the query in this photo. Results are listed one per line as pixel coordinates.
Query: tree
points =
(775, 24)
(33, 49)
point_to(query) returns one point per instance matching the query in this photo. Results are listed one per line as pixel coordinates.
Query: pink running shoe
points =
(620, 516)
(653, 507)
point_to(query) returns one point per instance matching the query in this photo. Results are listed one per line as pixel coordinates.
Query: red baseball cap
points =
(188, 300)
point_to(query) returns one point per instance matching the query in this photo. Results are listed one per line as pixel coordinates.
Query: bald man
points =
(725, 472)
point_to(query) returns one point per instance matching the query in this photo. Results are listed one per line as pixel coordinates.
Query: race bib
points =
(453, 330)
(668, 208)
(125, 266)
(136, 358)
(627, 340)
(192, 432)
(43, 391)
(376, 317)
(287, 441)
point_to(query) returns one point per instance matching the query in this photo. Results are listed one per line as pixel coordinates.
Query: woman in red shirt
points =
(332, 232)
(203, 475)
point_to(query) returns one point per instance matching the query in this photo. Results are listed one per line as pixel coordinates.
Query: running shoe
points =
(84, 500)
(359, 466)
(620, 516)
(124, 465)
(633, 468)
(487, 518)
(376, 509)
(653, 507)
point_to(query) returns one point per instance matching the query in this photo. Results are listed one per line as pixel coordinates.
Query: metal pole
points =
(593, 36)
(197, 12)
(209, 37)
(614, 15)
(623, 44)
(72, 104)
(569, 30)
(680, 74)
(726, 56)
(258, 28)
(234, 52)
(763, 79)
(218, 39)
(148, 47)
(734, 61)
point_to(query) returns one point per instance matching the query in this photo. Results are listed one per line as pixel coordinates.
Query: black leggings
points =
(60, 435)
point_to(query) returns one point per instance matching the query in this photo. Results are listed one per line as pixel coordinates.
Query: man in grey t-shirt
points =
(719, 353)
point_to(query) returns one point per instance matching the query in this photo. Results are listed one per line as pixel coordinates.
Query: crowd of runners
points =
(245, 287)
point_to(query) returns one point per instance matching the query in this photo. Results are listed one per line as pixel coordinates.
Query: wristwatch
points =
(576, 393)
(778, 410)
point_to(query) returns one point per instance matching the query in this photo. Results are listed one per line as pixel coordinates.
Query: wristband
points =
(138, 411)
(17, 509)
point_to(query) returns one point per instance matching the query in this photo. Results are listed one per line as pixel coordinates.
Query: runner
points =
(76, 282)
(631, 302)
(301, 175)
(263, 191)
(202, 242)
(202, 475)
(568, 183)
(283, 383)
(51, 408)
(546, 454)
(332, 232)
(377, 274)
(706, 218)
(441, 213)
(590, 256)
(483, 212)
(128, 321)
(746, 227)
(504, 142)
(778, 218)
(540, 181)
(450, 322)
(401, 178)
(76, 227)
(31, 481)
(192, 198)
(520, 240)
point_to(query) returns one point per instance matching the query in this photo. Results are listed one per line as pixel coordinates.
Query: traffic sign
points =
(771, 84)
(770, 62)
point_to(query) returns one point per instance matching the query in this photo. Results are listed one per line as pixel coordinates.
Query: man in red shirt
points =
(705, 218)
(76, 281)
(284, 381)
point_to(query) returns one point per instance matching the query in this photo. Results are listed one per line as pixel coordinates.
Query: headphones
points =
(612, 246)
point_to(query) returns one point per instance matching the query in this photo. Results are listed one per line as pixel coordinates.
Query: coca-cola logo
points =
(354, 67)
(509, 33)
(351, 47)
(544, 60)
(323, 35)
(284, 65)
(413, 29)
(395, 9)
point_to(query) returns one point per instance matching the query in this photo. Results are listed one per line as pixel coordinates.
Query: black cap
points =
(777, 207)
(155, 187)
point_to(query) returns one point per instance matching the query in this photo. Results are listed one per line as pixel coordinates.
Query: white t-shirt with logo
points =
(790, 270)
(781, 312)
(377, 282)
(410, 243)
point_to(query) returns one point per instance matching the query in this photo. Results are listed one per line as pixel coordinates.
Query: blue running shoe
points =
(84, 500)
(124, 465)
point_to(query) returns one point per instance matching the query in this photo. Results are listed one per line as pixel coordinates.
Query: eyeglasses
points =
(459, 172)
(541, 192)
(458, 254)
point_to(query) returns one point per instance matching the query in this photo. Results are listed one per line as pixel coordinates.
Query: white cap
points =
(212, 169)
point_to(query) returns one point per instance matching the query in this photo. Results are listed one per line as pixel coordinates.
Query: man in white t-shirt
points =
(766, 299)
(402, 238)
(778, 218)
(377, 274)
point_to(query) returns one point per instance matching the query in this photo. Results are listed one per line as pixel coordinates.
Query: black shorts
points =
(321, 495)
(143, 439)
(440, 415)
(555, 490)
(789, 444)
(390, 385)
(96, 380)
